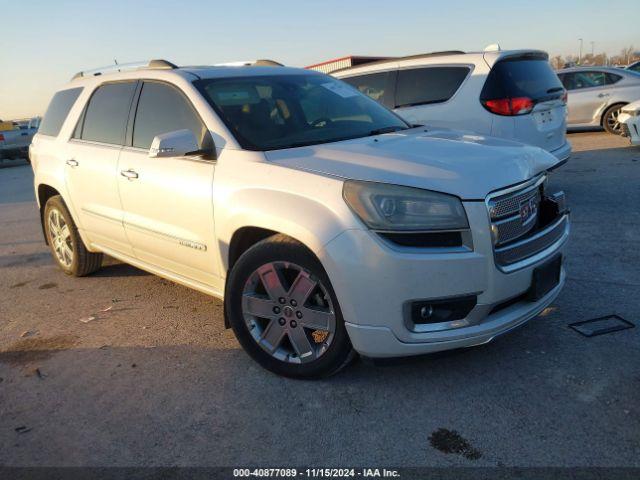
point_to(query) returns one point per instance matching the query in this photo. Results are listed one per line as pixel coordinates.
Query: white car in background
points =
(629, 119)
(327, 224)
(597, 94)
(513, 95)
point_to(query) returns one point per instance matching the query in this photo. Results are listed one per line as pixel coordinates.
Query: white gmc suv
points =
(326, 223)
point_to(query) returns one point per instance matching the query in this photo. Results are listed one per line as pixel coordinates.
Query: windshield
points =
(285, 111)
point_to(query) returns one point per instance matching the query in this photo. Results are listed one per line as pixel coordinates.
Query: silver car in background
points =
(596, 95)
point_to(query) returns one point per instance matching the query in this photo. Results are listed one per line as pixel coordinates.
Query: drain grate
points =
(601, 325)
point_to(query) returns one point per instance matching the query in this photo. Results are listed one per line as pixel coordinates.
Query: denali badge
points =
(528, 210)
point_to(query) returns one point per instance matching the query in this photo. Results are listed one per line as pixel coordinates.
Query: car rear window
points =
(420, 86)
(532, 78)
(106, 115)
(58, 110)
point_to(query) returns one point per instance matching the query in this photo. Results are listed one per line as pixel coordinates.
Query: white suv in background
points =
(327, 224)
(507, 94)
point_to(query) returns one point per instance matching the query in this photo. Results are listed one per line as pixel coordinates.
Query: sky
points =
(45, 42)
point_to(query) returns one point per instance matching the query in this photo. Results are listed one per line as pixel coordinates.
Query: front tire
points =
(610, 119)
(284, 312)
(67, 248)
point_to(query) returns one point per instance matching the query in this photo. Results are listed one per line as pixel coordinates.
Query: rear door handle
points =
(603, 95)
(72, 163)
(129, 174)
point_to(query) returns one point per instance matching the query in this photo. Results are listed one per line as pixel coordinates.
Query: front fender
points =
(312, 222)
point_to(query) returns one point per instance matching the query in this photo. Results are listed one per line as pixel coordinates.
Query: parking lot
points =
(125, 368)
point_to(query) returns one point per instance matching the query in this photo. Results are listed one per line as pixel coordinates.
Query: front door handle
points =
(72, 163)
(603, 95)
(129, 174)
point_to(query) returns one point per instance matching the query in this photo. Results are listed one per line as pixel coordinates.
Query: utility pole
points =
(592, 44)
(580, 54)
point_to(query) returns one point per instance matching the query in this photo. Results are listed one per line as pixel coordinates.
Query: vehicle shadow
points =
(114, 268)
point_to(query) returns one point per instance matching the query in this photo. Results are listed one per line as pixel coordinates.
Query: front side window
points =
(163, 109)
(421, 86)
(105, 118)
(58, 110)
(284, 111)
(372, 85)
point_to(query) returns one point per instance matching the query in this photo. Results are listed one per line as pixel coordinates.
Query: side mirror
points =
(174, 144)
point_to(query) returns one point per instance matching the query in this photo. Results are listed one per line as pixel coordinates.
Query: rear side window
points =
(613, 78)
(58, 110)
(163, 109)
(105, 118)
(421, 86)
(531, 78)
(372, 85)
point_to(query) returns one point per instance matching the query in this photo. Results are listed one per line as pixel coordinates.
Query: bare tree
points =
(557, 62)
(626, 54)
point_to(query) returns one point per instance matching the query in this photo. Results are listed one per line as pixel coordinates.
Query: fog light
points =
(440, 310)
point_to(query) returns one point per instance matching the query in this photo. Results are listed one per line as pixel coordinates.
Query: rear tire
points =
(610, 119)
(67, 248)
(284, 312)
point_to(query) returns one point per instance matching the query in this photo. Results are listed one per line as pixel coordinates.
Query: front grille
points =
(509, 204)
(524, 222)
(624, 130)
(532, 245)
(506, 215)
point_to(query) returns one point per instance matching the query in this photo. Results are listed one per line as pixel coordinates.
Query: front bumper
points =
(630, 127)
(373, 280)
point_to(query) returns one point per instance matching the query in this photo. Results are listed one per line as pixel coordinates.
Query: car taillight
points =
(1, 137)
(510, 106)
(565, 97)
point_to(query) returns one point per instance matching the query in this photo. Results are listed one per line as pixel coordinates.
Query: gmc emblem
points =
(528, 210)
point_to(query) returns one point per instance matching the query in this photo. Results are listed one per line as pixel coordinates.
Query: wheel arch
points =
(44, 193)
(608, 107)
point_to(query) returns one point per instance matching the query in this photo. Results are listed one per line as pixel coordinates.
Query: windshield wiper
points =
(391, 129)
(555, 89)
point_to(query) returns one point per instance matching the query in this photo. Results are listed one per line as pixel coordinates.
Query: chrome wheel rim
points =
(60, 237)
(612, 120)
(288, 312)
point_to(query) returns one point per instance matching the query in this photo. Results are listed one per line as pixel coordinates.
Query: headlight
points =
(388, 207)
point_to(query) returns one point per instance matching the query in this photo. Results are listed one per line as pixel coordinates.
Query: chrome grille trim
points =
(514, 245)
(524, 249)
(507, 203)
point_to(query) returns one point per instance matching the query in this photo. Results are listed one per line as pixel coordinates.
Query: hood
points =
(459, 163)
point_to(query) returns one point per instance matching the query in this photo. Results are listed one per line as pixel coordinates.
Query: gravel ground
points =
(125, 368)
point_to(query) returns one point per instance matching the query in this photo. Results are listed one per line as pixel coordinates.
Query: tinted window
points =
(371, 85)
(532, 78)
(635, 67)
(58, 111)
(284, 111)
(428, 85)
(105, 118)
(578, 80)
(163, 109)
(613, 78)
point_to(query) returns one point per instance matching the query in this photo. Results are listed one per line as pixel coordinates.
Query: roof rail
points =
(156, 64)
(251, 63)
(408, 57)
